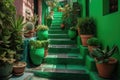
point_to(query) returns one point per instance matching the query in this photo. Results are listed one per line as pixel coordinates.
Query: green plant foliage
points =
(73, 28)
(42, 27)
(38, 44)
(102, 56)
(87, 26)
(16, 33)
(7, 10)
(93, 41)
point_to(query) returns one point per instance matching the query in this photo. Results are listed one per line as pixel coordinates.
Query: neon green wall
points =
(83, 5)
(108, 26)
(44, 11)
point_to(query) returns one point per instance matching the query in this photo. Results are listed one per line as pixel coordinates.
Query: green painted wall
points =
(83, 5)
(108, 26)
(44, 11)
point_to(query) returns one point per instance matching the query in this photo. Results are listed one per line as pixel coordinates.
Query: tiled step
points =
(62, 42)
(63, 50)
(57, 36)
(61, 72)
(64, 58)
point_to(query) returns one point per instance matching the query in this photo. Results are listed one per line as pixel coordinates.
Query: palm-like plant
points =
(102, 56)
(16, 34)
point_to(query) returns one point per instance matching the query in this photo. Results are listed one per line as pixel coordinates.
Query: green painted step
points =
(56, 31)
(65, 58)
(55, 28)
(95, 76)
(56, 36)
(61, 72)
(63, 50)
(62, 42)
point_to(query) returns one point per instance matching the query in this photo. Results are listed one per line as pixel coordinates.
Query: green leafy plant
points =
(73, 28)
(35, 44)
(102, 56)
(42, 27)
(16, 33)
(87, 26)
(93, 41)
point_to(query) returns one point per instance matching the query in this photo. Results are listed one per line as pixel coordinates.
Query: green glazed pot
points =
(72, 34)
(37, 56)
(42, 35)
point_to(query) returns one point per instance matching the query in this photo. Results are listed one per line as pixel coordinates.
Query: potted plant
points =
(93, 43)
(29, 30)
(6, 54)
(17, 42)
(104, 62)
(72, 32)
(42, 32)
(87, 30)
(36, 52)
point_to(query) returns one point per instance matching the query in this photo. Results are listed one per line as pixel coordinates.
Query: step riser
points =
(70, 61)
(57, 32)
(57, 37)
(63, 50)
(63, 76)
(62, 42)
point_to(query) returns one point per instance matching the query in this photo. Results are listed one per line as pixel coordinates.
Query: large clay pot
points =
(18, 68)
(84, 39)
(106, 70)
(37, 56)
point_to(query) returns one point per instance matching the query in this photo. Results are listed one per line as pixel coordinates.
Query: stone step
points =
(61, 72)
(62, 42)
(64, 58)
(57, 36)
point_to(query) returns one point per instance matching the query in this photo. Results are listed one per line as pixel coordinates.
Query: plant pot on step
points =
(18, 68)
(104, 62)
(72, 32)
(84, 39)
(106, 70)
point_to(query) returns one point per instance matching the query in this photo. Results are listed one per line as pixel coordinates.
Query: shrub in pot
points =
(93, 43)
(104, 62)
(17, 41)
(72, 32)
(42, 32)
(36, 52)
(87, 29)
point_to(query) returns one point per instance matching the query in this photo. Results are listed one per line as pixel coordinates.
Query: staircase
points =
(64, 60)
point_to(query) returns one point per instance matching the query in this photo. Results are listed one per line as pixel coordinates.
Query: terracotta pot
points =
(18, 68)
(46, 52)
(84, 39)
(106, 70)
